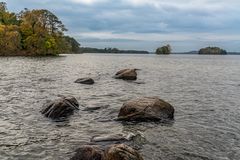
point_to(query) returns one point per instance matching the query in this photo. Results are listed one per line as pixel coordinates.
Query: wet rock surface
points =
(108, 138)
(117, 137)
(126, 74)
(112, 152)
(85, 81)
(121, 152)
(60, 108)
(88, 153)
(145, 109)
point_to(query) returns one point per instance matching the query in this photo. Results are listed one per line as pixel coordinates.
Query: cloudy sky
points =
(146, 24)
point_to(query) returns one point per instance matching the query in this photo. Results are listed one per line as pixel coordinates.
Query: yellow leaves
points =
(8, 28)
(35, 32)
(26, 29)
(50, 43)
(2, 28)
(9, 38)
(8, 18)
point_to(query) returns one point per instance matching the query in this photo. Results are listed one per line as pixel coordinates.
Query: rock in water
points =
(85, 81)
(88, 153)
(60, 108)
(115, 137)
(146, 108)
(126, 74)
(121, 152)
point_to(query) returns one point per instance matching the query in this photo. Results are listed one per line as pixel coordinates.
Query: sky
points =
(186, 25)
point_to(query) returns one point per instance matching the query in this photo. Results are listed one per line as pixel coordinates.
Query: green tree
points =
(33, 32)
(42, 32)
(7, 18)
(164, 50)
(212, 50)
(73, 44)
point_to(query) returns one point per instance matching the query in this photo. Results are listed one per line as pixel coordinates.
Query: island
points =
(164, 50)
(36, 32)
(212, 51)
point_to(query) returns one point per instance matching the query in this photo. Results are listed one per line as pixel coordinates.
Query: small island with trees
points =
(35, 32)
(212, 51)
(164, 50)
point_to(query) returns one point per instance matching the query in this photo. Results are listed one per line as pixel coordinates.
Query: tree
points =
(7, 18)
(164, 50)
(33, 32)
(3, 6)
(212, 50)
(73, 44)
(10, 39)
(42, 32)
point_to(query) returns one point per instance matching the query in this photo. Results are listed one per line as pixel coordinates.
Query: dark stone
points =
(121, 152)
(85, 81)
(126, 74)
(91, 108)
(145, 109)
(88, 153)
(60, 108)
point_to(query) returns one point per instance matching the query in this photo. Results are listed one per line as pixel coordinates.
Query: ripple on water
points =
(202, 89)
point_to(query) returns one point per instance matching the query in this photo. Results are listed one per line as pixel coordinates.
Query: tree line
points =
(33, 32)
(109, 50)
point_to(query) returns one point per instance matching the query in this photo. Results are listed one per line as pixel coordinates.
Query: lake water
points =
(205, 91)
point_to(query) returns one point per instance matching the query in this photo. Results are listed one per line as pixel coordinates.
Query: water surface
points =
(205, 91)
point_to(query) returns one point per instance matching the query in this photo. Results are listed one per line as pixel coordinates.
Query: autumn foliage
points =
(33, 32)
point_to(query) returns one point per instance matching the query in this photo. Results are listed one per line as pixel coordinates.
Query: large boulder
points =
(88, 153)
(126, 74)
(145, 109)
(85, 81)
(121, 152)
(60, 108)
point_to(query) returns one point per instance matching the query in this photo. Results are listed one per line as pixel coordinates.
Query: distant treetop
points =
(213, 51)
(164, 50)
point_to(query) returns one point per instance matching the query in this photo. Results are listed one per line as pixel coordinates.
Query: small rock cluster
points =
(113, 152)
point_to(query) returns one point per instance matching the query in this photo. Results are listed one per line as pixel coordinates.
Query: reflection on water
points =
(203, 89)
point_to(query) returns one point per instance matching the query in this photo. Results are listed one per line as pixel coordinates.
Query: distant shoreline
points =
(174, 53)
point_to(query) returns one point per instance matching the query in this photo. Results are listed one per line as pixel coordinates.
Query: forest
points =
(110, 50)
(36, 32)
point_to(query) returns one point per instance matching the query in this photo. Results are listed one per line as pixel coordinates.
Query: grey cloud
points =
(143, 17)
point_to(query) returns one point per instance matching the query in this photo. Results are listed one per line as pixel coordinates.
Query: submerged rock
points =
(113, 152)
(61, 107)
(116, 137)
(146, 108)
(121, 152)
(85, 81)
(88, 153)
(91, 108)
(126, 74)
